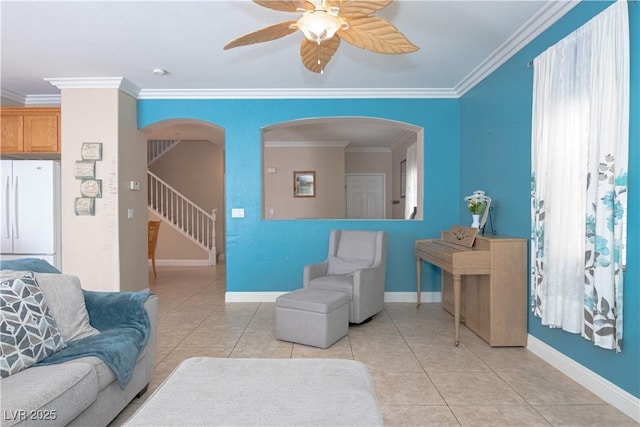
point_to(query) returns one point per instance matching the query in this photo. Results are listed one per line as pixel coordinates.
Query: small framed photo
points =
(91, 151)
(304, 184)
(84, 169)
(91, 188)
(84, 206)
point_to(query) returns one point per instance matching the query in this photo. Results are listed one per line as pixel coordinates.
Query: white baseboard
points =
(604, 389)
(181, 262)
(271, 296)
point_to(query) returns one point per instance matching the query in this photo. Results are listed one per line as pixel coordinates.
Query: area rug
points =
(205, 391)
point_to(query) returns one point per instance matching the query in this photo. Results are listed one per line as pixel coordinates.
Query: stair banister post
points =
(212, 254)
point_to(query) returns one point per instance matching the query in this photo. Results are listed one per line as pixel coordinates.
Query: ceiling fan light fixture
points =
(319, 25)
(325, 23)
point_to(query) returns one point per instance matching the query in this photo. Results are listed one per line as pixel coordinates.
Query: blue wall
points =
(496, 156)
(270, 255)
(479, 142)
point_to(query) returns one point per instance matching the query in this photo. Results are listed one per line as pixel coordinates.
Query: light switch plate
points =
(237, 213)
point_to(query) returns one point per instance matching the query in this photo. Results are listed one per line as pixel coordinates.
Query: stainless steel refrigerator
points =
(31, 210)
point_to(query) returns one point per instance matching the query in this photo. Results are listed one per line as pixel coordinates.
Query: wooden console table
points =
(484, 285)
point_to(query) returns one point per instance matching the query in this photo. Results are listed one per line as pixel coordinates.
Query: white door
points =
(6, 215)
(366, 196)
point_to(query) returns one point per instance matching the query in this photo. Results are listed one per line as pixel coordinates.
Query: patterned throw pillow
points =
(27, 329)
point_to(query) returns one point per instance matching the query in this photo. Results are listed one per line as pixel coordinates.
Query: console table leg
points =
(457, 279)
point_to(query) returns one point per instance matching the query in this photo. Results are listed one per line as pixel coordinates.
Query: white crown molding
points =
(120, 83)
(131, 89)
(368, 150)
(30, 100)
(536, 25)
(33, 100)
(12, 96)
(284, 93)
(289, 144)
(329, 144)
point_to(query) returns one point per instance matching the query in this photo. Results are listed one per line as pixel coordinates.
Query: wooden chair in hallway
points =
(152, 228)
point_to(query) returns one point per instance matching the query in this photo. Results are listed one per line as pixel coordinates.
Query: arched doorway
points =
(186, 185)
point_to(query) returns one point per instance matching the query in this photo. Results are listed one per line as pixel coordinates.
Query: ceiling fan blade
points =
(376, 34)
(316, 56)
(286, 5)
(266, 34)
(357, 8)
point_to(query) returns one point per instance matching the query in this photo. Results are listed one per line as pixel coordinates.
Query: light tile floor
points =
(421, 378)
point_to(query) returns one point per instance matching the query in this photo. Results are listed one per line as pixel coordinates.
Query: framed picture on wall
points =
(403, 178)
(91, 151)
(91, 188)
(304, 184)
(84, 206)
(84, 169)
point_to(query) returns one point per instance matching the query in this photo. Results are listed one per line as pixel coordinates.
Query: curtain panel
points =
(411, 191)
(580, 140)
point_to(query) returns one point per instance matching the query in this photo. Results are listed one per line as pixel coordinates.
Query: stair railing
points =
(157, 148)
(182, 214)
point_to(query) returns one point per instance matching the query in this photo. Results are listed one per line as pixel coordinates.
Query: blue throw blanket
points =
(124, 330)
(28, 264)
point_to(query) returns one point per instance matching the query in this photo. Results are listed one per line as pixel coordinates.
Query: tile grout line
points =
(423, 368)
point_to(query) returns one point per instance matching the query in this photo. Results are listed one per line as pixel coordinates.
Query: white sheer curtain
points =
(579, 170)
(411, 191)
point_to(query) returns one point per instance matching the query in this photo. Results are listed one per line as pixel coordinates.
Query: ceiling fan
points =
(324, 23)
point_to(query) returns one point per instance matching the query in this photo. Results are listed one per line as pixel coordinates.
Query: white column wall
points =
(107, 251)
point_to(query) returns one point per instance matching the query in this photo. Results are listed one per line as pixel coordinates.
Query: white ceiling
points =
(459, 41)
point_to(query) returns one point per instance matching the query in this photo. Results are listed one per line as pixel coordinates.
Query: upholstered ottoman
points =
(312, 317)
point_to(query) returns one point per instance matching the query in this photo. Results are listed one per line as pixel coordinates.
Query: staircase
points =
(183, 215)
(157, 148)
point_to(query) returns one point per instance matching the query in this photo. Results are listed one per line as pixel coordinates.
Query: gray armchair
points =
(356, 266)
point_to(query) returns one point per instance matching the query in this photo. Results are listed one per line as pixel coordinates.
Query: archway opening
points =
(358, 166)
(186, 180)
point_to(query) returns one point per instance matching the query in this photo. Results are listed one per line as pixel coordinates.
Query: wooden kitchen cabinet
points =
(12, 140)
(30, 130)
